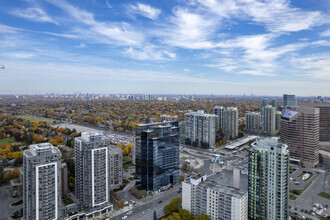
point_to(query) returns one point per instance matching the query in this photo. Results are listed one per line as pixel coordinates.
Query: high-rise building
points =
(269, 120)
(42, 182)
(300, 131)
(289, 100)
(157, 155)
(268, 181)
(274, 103)
(115, 165)
(324, 119)
(278, 116)
(263, 103)
(230, 123)
(200, 129)
(64, 180)
(92, 173)
(202, 196)
(218, 110)
(252, 121)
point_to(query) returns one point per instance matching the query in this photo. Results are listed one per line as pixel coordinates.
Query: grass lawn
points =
(68, 201)
(303, 173)
(299, 191)
(7, 140)
(127, 166)
(33, 118)
(324, 195)
(293, 197)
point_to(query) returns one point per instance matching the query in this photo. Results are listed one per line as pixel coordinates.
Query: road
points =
(146, 211)
(4, 204)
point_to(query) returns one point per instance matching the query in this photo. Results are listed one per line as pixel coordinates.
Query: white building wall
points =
(186, 196)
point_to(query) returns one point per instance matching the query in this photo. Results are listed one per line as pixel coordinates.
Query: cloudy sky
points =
(263, 47)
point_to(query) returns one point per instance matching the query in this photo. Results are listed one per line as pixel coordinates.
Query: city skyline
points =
(186, 47)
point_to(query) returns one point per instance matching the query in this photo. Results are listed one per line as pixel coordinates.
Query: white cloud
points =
(108, 4)
(34, 14)
(145, 10)
(4, 29)
(189, 30)
(325, 33)
(19, 55)
(275, 15)
(150, 53)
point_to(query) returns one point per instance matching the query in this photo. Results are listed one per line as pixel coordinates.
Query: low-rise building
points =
(202, 196)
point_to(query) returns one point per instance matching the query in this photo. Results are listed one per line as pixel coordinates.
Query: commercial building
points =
(278, 116)
(202, 196)
(230, 123)
(42, 182)
(253, 124)
(115, 166)
(218, 111)
(289, 100)
(274, 103)
(92, 173)
(268, 182)
(200, 129)
(157, 155)
(324, 119)
(269, 120)
(64, 180)
(300, 131)
(263, 103)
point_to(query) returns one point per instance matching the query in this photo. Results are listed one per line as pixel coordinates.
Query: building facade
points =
(289, 100)
(253, 124)
(269, 120)
(300, 131)
(202, 196)
(264, 102)
(230, 123)
(157, 155)
(268, 180)
(200, 129)
(218, 111)
(324, 119)
(278, 116)
(92, 188)
(42, 182)
(274, 103)
(115, 166)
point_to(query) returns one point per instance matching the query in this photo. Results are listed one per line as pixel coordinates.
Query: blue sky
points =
(263, 47)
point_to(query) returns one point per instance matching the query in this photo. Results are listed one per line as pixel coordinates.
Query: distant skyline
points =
(266, 47)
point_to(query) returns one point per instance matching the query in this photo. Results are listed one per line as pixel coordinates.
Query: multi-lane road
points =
(156, 203)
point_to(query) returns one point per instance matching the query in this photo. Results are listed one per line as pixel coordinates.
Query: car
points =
(124, 217)
(130, 212)
(160, 201)
(132, 201)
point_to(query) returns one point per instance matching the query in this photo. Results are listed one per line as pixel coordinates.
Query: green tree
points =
(202, 217)
(155, 215)
(185, 215)
(173, 206)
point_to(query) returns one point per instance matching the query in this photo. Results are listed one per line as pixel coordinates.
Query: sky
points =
(260, 47)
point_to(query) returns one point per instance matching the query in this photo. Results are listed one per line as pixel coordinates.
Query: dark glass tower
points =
(157, 155)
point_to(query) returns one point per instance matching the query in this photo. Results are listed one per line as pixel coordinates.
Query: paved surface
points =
(306, 200)
(152, 203)
(5, 201)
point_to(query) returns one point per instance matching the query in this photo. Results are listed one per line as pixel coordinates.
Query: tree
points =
(173, 206)
(185, 215)
(202, 217)
(155, 215)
